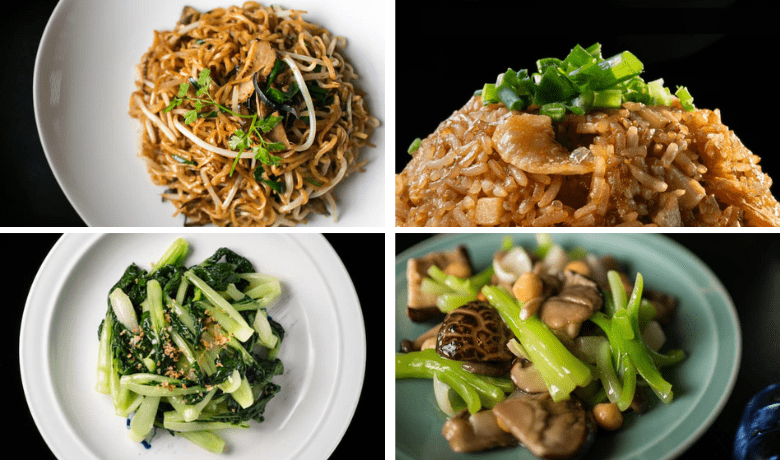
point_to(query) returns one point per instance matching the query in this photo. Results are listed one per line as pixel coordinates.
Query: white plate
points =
(323, 351)
(83, 79)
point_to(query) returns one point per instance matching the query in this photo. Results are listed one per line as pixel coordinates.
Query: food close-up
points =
(542, 348)
(584, 346)
(191, 350)
(582, 139)
(250, 116)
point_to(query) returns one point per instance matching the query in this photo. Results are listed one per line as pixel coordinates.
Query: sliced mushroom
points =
(476, 432)
(577, 300)
(489, 368)
(188, 16)
(261, 58)
(417, 344)
(526, 377)
(421, 306)
(245, 90)
(546, 428)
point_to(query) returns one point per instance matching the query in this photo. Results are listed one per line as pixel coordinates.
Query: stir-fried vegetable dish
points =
(190, 349)
(542, 348)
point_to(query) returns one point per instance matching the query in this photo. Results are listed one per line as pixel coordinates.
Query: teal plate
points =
(706, 327)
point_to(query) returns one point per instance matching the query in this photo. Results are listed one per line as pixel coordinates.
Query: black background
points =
(446, 51)
(367, 422)
(749, 268)
(37, 200)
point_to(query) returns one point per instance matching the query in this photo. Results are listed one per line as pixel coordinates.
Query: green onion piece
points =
(489, 94)
(608, 99)
(554, 110)
(614, 70)
(544, 63)
(553, 87)
(507, 79)
(583, 81)
(595, 51)
(584, 101)
(414, 146)
(659, 94)
(510, 99)
(686, 100)
(577, 58)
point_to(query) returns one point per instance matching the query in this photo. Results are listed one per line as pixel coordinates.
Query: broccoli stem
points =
(423, 364)
(561, 371)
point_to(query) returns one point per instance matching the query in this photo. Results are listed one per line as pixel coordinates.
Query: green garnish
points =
(241, 141)
(580, 83)
(415, 145)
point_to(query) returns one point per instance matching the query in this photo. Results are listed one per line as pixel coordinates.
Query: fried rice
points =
(633, 166)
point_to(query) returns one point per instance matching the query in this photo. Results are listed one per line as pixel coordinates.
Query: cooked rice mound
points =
(634, 166)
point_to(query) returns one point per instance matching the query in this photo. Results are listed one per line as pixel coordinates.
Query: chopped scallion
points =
(686, 100)
(581, 82)
(415, 145)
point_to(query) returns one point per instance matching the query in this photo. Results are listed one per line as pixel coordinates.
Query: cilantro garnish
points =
(241, 141)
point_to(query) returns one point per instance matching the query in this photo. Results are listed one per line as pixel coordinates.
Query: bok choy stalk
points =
(176, 345)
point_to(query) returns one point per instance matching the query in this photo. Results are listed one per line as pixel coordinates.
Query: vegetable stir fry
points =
(539, 349)
(191, 350)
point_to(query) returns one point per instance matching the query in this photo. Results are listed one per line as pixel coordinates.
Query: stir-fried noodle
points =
(261, 61)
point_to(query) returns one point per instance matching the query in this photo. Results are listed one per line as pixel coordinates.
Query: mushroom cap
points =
(474, 332)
